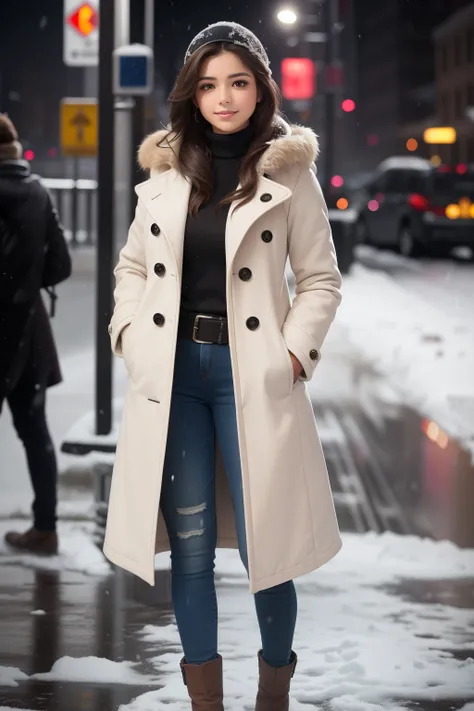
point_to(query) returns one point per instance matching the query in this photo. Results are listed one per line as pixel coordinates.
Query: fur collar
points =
(295, 145)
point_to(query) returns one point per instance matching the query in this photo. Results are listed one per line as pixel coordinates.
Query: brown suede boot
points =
(274, 685)
(204, 682)
(33, 541)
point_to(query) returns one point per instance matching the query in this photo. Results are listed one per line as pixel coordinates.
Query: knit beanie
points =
(10, 147)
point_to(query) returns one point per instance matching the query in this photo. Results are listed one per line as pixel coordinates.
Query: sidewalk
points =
(378, 630)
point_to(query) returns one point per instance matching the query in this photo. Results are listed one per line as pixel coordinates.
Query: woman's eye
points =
(241, 83)
(205, 87)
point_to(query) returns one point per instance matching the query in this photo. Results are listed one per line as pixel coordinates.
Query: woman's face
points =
(226, 93)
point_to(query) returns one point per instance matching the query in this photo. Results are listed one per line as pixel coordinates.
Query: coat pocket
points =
(288, 364)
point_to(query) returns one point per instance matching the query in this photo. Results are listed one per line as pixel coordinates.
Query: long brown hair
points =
(188, 125)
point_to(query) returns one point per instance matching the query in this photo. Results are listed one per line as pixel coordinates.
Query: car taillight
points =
(420, 203)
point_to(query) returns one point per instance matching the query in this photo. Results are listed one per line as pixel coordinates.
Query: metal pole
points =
(138, 32)
(105, 222)
(123, 138)
(330, 21)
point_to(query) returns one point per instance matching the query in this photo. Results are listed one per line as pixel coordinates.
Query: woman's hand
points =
(297, 367)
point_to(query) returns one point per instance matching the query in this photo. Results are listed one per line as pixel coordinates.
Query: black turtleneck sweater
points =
(204, 263)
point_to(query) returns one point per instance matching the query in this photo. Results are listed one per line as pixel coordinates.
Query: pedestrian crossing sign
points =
(79, 127)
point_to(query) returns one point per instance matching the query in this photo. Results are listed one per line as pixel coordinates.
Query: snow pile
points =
(95, 670)
(425, 355)
(10, 676)
(77, 551)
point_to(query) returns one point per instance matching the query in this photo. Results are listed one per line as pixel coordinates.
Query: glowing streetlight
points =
(287, 16)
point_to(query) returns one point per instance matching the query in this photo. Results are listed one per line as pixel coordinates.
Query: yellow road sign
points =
(79, 127)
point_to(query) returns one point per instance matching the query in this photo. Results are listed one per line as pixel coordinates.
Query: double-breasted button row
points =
(155, 230)
(160, 269)
(267, 236)
(158, 319)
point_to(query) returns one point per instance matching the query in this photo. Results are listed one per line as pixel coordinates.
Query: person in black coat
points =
(33, 255)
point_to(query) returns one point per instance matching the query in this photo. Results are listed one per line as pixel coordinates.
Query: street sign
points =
(79, 127)
(81, 33)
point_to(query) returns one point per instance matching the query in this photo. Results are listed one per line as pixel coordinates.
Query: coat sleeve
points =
(57, 260)
(130, 280)
(314, 264)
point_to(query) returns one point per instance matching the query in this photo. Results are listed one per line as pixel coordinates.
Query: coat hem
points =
(269, 581)
(296, 571)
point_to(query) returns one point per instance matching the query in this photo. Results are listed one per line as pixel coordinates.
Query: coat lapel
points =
(166, 197)
(240, 221)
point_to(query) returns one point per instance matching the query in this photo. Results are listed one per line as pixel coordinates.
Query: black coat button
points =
(159, 319)
(267, 236)
(155, 230)
(245, 274)
(266, 197)
(314, 354)
(160, 269)
(253, 323)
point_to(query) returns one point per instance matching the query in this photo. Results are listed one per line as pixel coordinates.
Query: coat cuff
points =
(303, 347)
(121, 318)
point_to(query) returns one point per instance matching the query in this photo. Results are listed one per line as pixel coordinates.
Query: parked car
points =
(415, 208)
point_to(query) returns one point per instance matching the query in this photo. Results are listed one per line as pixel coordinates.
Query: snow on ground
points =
(361, 647)
(95, 670)
(10, 676)
(77, 551)
(425, 355)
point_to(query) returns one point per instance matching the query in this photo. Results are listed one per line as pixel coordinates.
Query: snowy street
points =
(387, 625)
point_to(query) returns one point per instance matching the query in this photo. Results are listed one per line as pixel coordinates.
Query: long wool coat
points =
(290, 519)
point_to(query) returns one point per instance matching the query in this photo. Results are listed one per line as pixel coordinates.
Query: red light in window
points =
(298, 78)
(29, 154)
(348, 105)
(337, 181)
(373, 205)
(461, 168)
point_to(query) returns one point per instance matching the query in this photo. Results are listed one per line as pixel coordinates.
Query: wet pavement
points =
(103, 618)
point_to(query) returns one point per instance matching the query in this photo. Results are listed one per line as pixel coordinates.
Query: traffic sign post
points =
(79, 127)
(81, 33)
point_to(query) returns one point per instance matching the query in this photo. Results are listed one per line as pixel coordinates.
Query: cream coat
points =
(289, 513)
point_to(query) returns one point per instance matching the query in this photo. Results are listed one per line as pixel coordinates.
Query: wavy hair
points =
(188, 126)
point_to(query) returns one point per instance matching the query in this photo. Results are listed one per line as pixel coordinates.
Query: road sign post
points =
(81, 33)
(79, 119)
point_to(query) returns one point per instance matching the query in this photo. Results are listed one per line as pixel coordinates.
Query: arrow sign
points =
(84, 20)
(80, 121)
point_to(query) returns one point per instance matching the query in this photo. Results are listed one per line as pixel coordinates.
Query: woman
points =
(218, 444)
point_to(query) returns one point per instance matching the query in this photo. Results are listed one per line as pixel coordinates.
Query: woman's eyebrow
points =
(231, 76)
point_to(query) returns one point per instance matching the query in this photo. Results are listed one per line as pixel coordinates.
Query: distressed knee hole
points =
(190, 534)
(191, 510)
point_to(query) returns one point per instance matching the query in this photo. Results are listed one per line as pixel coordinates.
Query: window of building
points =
(470, 45)
(457, 51)
(458, 104)
(470, 95)
(444, 58)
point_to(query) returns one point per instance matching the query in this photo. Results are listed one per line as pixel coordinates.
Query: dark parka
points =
(33, 255)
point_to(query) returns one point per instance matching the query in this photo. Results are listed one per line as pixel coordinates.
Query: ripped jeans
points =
(202, 408)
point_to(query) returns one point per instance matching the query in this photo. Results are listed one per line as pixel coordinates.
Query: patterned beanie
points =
(234, 34)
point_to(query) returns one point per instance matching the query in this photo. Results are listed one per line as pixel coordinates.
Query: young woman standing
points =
(218, 443)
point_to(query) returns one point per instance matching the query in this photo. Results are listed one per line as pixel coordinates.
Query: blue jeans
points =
(203, 407)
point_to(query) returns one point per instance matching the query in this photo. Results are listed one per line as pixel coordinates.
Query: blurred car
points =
(415, 208)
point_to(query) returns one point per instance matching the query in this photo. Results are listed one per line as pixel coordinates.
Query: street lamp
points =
(287, 16)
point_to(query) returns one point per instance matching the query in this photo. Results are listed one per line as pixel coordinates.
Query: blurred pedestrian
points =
(218, 430)
(33, 255)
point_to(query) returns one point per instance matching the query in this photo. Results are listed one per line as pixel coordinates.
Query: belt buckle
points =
(196, 328)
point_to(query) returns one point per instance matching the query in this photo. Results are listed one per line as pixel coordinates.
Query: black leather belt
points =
(203, 328)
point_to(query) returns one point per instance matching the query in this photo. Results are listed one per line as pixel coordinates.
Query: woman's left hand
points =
(297, 367)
